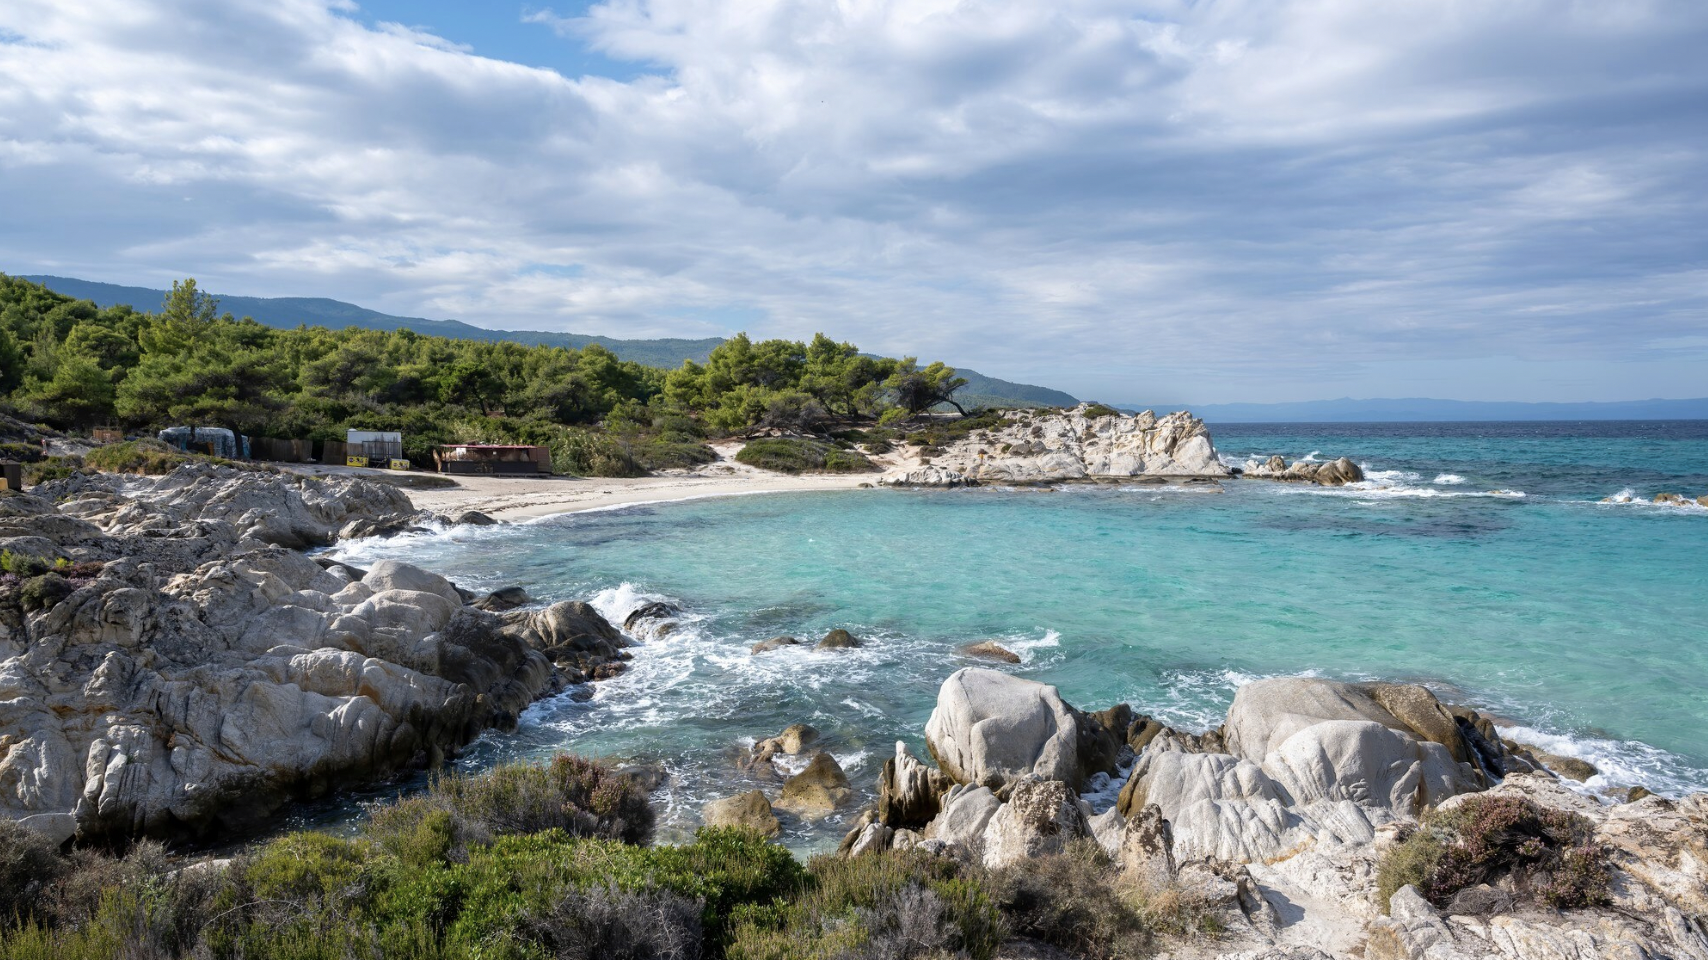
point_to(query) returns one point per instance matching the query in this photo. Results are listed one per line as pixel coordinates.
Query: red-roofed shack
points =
(492, 458)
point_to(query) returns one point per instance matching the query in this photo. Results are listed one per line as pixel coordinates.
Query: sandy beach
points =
(518, 498)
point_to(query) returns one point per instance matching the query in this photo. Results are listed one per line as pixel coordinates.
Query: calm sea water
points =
(1477, 558)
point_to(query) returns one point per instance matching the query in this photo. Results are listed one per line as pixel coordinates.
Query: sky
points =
(1132, 200)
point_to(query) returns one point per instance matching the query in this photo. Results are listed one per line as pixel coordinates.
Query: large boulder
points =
(1040, 817)
(397, 575)
(574, 636)
(816, 791)
(990, 728)
(748, 811)
(966, 811)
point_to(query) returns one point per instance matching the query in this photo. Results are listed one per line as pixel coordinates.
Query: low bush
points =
(28, 865)
(584, 453)
(571, 794)
(790, 455)
(43, 592)
(896, 906)
(21, 451)
(23, 564)
(52, 468)
(1546, 855)
(1073, 900)
(148, 457)
(1098, 411)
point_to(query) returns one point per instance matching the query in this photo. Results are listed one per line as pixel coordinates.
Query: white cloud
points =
(1226, 197)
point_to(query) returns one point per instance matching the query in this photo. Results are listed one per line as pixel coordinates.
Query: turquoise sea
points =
(1477, 558)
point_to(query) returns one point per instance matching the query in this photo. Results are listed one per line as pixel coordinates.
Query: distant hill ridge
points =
(1420, 409)
(669, 353)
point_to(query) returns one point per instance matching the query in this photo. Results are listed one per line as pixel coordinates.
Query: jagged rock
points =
(989, 650)
(749, 810)
(1040, 817)
(503, 599)
(909, 792)
(816, 791)
(181, 704)
(1032, 447)
(775, 643)
(572, 635)
(990, 728)
(872, 838)
(837, 639)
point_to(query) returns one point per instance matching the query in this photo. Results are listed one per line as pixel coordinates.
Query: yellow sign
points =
(355, 461)
(400, 465)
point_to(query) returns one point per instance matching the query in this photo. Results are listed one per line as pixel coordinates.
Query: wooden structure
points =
(493, 458)
(108, 434)
(11, 475)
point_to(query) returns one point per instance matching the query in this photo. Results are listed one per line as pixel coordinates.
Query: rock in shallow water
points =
(749, 810)
(989, 728)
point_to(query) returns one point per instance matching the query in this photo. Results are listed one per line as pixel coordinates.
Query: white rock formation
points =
(990, 728)
(192, 678)
(1049, 447)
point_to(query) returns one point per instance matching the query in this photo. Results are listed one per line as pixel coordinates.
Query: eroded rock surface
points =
(1079, 444)
(194, 675)
(1276, 824)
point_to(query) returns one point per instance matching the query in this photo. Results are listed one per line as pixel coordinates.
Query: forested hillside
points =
(669, 352)
(73, 365)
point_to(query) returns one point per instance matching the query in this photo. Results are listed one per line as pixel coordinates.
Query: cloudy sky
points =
(1137, 200)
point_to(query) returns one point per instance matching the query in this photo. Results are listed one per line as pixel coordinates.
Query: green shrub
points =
(583, 453)
(148, 457)
(44, 592)
(23, 564)
(53, 468)
(28, 865)
(662, 454)
(899, 904)
(1098, 411)
(1550, 855)
(1072, 900)
(19, 451)
(569, 793)
(789, 455)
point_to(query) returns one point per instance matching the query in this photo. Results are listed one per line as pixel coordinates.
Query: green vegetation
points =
(539, 861)
(801, 456)
(1550, 855)
(71, 365)
(1098, 411)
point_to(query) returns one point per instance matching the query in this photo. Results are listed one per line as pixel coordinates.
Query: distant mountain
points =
(288, 312)
(1347, 410)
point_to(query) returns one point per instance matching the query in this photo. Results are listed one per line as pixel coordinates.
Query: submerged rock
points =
(818, 790)
(989, 650)
(838, 639)
(749, 811)
(1333, 473)
(775, 643)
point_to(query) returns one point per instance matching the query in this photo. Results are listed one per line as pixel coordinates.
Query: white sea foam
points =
(1374, 490)
(1448, 479)
(1102, 790)
(1622, 763)
(1311, 457)
(1027, 648)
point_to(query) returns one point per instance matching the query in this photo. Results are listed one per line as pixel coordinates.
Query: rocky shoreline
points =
(177, 668)
(1091, 443)
(1285, 824)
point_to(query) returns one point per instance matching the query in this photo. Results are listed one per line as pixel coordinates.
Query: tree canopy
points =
(73, 365)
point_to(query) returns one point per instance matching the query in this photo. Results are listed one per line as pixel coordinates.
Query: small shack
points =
(494, 458)
(374, 448)
(213, 441)
(11, 475)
